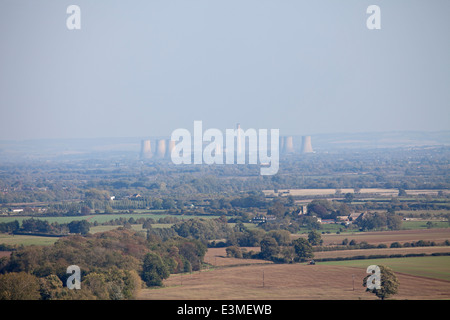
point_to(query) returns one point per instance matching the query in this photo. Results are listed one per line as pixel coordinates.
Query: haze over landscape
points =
(99, 202)
(145, 68)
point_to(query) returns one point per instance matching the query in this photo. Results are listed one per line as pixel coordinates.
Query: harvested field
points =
(429, 267)
(387, 237)
(218, 257)
(385, 251)
(322, 192)
(289, 282)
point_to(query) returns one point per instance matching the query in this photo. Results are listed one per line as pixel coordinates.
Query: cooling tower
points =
(306, 144)
(170, 146)
(281, 146)
(160, 148)
(289, 145)
(146, 149)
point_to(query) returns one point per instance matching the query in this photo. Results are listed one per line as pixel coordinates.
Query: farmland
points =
(429, 267)
(330, 192)
(359, 205)
(303, 282)
(26, 240)
(387, 237)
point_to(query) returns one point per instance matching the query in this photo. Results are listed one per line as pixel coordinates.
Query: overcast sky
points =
(145, 68)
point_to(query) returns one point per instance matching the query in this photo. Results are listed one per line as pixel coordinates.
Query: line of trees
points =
(43, 227)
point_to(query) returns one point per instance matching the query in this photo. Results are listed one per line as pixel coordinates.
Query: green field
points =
(101, 218)
(26, 240)
(410, 225)
(431, 267)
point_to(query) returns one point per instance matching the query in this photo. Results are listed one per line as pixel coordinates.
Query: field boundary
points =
(383, 256)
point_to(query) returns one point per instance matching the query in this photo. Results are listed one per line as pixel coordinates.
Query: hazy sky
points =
(143, 68)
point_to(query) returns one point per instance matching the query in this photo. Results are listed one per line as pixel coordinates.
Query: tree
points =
(349, 197)
(393, 222)
(168, 203)
(154, 271)
(51, 287)
(234, 252)
(303, 249)
(277, 209)
(19, 286)
(314, 238)
(108, 209)
(81, 227)
(282, 237)
(269, 248)
(388, 286)
(402, 192)
(85, 210)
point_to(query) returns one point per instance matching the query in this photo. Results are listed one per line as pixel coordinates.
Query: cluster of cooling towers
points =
(287, 145)
(163, 147)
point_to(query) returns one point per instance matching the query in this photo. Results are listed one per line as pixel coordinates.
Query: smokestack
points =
(289, 145)
(146, 149)
(161, 148)
(306, 144)
(170, 146)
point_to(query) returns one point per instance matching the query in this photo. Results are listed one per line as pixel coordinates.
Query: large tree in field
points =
(314, 238)
(269, 248)
(388, 283)
(303, 249)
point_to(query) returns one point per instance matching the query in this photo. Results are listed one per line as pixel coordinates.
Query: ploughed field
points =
(301, 282)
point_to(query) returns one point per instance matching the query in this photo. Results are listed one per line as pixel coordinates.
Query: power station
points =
(163, 147)
(289, 146)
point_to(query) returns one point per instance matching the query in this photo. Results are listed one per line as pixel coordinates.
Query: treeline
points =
(43, 227)
(114, 265)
